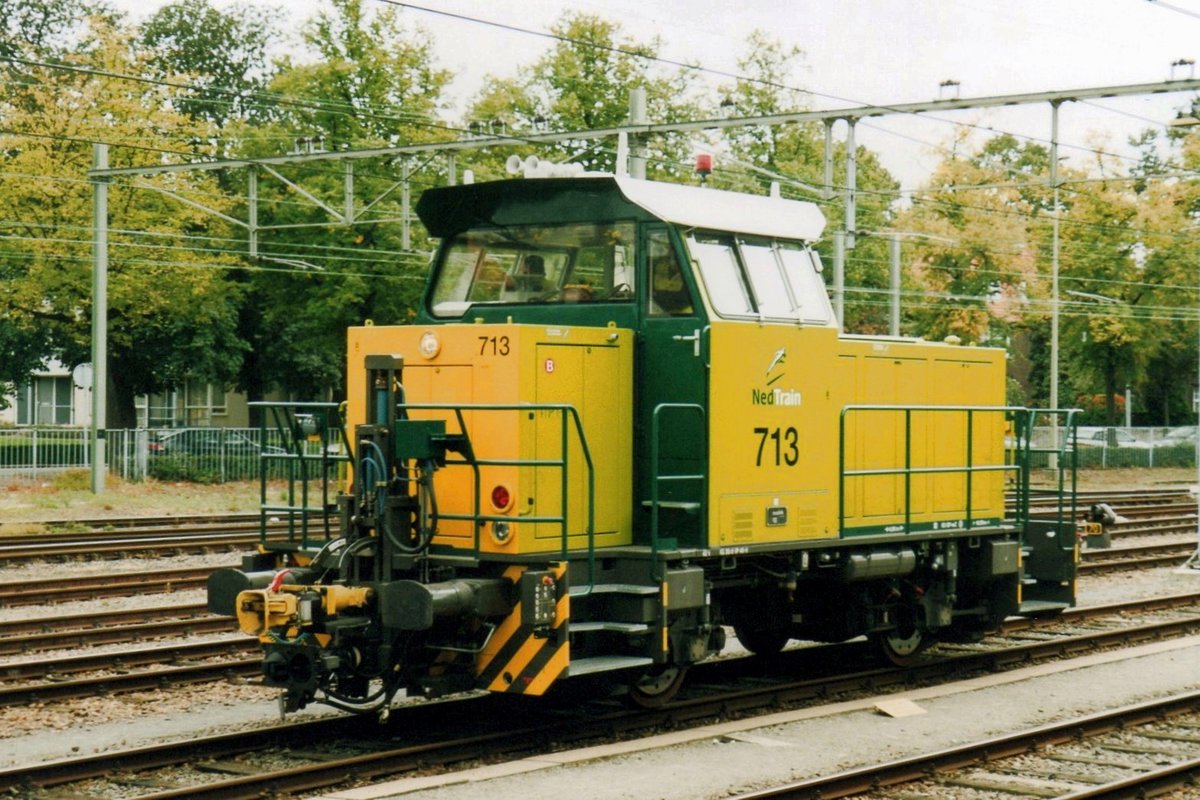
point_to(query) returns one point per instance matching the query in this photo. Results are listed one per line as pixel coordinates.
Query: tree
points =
(583, 83)
(1169, 272)
(374, 83)
(973, 262)
(40, 28)
(987, 274)
(171, 310)
(222, 55)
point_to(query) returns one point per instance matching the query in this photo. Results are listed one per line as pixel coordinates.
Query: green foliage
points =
(41, 28)
(374, 82)
(222, 54)
(171, 310)
(43, 448)
(583, 83)
(193, 469)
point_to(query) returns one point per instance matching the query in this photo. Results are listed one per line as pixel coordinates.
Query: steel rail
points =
(1124, 558)
(96, 621)
(172, 653)
(46, 591)
(915, 768)
(103, 523)
(129, 682)
(112, 633)
(190, 544)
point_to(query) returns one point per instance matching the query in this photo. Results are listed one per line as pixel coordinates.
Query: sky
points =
(868, 52)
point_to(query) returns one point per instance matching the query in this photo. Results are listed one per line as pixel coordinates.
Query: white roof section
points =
(716, 209)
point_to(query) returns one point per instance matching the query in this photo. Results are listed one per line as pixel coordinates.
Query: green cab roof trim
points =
(449, 210)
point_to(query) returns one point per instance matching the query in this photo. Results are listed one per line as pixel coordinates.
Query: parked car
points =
(209, 442)
(1177, 437)
(1108, 437)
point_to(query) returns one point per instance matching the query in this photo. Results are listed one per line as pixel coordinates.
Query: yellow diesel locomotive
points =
(624, 421)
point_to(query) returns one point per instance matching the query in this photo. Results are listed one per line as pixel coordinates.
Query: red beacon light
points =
(704, 165)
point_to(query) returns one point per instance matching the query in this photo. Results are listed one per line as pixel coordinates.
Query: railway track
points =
(1113, 754)
(94, 546)
(173, 664)
(43, 633)
(59, 589)
(324, 752)
(26, 636)
(116, 523)
(50, 678)
(1141, 556)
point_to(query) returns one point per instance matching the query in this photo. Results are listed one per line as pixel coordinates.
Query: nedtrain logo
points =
(772, 395)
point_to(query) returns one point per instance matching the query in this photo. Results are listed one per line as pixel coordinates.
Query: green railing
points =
(566, 413)
(657, 479)
(1022, 418)
(295, 425)
(1061, 452)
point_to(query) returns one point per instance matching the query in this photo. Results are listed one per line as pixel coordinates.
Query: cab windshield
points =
(536, 264)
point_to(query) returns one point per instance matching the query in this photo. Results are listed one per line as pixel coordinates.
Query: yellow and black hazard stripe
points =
(518, 661)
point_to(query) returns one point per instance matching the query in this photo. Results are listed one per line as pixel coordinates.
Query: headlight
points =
(429, 346)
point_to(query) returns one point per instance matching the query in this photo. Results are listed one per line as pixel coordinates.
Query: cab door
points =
(670, 371)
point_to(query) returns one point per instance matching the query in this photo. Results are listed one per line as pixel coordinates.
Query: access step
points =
(589, 666)
(613, 588)
(1041, 607)
(613, 627)
(674, 505)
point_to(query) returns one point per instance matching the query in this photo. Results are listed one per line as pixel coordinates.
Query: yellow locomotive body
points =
(623, 422)
(497, 368)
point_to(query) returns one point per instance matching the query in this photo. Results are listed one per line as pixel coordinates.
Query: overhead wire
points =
(1178, 10)
(725, 74)
(681, 64)
(357, 111)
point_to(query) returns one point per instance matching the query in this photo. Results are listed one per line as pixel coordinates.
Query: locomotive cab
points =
(624, 419)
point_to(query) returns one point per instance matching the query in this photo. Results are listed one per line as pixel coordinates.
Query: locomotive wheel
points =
(900, 649)
(762, 641)
(657, 687)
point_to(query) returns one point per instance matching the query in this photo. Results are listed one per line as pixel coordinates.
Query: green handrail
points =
(1065, 453)
(285, 418)
(1022, 417)
(656, 478)
(565, 411)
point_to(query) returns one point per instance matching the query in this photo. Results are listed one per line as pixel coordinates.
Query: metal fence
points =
(202, 455)
(217, 455)
(1113, 448)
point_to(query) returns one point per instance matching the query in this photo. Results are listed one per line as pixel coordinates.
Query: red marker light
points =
(501, 498)
(704, 164)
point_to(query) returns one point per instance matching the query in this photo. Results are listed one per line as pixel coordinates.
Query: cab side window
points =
(669, 295)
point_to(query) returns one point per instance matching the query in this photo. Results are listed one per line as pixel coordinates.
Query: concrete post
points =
(99, 315)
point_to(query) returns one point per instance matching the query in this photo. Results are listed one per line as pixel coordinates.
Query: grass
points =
(69, 496)
(1134, 477)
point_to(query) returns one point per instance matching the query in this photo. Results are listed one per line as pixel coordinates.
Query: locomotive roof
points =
(448, 210)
